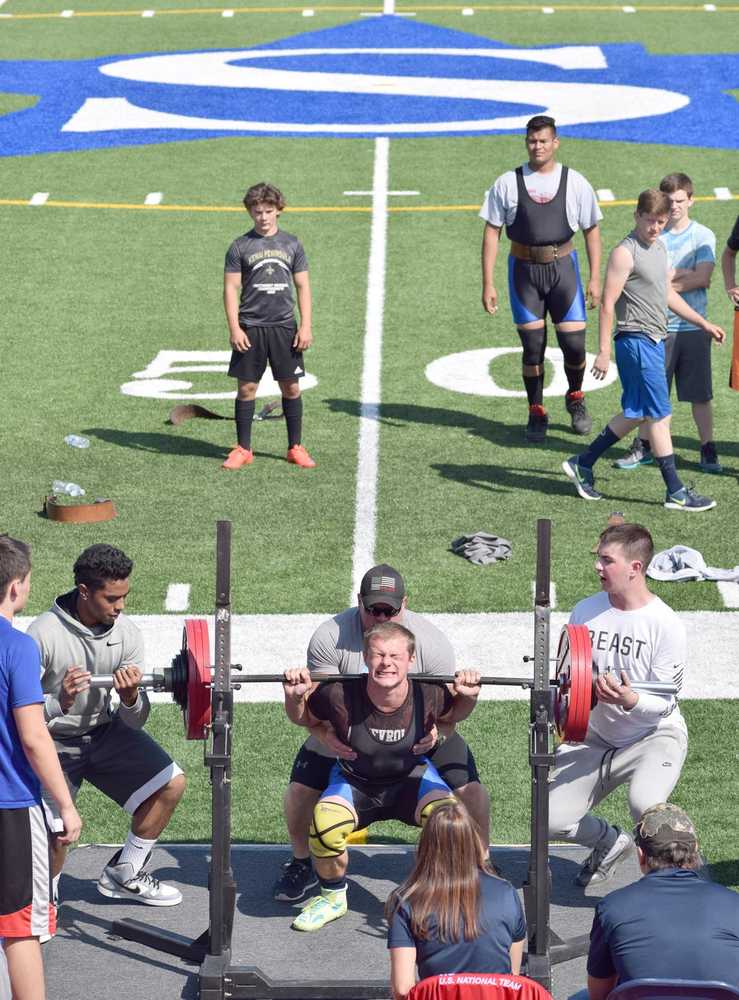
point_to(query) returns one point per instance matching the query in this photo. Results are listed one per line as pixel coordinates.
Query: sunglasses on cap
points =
(381, 609)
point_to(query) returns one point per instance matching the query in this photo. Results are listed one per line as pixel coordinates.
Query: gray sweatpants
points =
(586, 773)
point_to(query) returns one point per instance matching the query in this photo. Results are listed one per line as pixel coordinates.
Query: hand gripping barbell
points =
(189, 680)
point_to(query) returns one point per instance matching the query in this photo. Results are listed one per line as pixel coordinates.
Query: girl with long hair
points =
(452, 914)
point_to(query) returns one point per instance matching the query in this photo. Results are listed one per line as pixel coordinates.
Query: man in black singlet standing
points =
(542, 205)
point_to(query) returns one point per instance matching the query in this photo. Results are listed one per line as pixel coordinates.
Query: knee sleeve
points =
(572, 345)
(434, 804)
(332, 824)
(534, 343)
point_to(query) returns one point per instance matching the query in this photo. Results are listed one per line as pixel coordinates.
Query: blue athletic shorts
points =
(397, 800)
(641, 368)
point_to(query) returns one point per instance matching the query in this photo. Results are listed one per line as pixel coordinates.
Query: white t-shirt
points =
(501, 201)
(648, 644)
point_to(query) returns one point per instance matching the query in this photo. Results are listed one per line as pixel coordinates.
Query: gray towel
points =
(682, 563)
(482, 548)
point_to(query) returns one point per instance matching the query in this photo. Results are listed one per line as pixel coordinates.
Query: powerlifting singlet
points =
(540, 223)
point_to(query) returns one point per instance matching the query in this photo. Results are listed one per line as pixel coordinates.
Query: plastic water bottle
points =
(70, 489)
(76, 441)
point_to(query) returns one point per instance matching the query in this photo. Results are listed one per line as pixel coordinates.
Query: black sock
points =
(244, 414)
(596, 448)
(333, 884)
(575, 378)
(534, 389)
(666, 464)
(293, 411)
(645, 443)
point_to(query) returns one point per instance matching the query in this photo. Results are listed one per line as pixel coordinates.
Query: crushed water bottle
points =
(70, 489)
(76, 441)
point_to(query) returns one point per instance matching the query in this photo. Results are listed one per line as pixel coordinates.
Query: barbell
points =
(190, 676)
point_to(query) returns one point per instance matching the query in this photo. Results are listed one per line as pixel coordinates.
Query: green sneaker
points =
(320, 910)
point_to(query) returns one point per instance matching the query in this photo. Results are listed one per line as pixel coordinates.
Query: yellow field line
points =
(438, 8)
(361, 209)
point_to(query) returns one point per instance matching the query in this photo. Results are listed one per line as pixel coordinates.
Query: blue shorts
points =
(396, 800)
(641, 368)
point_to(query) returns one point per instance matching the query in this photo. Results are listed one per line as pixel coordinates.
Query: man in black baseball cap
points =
(672, 923)
(337, 647)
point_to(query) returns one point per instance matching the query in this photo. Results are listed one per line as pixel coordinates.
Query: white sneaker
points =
(118, 881)
(600, 864)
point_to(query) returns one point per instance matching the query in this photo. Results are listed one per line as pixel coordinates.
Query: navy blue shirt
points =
(20, 684)
(670, 924)
(502, 921)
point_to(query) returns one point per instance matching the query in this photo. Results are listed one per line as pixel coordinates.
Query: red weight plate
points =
(562, 675)
(581, 683)
(197, 644)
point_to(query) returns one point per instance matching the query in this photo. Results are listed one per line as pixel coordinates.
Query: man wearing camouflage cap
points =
(672, 923)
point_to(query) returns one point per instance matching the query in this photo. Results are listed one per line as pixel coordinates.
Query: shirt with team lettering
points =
(647, 644)
(267, 265)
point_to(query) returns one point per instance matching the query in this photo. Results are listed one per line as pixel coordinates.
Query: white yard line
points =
(388, 6)
(178, 597)
(365, 518)
(493, 643)
(729, 592)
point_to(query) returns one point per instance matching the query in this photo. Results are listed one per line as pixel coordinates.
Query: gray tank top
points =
(642, 305)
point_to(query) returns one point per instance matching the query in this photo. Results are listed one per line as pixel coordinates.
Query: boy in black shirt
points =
(261, 268)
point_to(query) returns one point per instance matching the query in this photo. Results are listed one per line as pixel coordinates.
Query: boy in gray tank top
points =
(637, 292)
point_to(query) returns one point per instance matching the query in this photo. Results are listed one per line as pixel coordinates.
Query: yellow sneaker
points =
(320, 910)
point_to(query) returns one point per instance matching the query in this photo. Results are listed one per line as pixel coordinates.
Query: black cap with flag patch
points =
(382, 585)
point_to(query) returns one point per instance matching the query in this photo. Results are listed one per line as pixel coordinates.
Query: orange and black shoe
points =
(297, 455)
(536, 428)
(237, 457)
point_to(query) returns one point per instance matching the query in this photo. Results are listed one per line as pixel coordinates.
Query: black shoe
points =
(536, 428)
(296, 879)
(709, 459)
(582, 422)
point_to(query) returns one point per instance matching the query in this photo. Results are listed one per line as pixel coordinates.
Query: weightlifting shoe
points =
(688, 499)
(296, 879)
(637, 455)
(536, 428)
(297, 455)
(580, 419)
(118, 881)
(237, 457)
(321, 910)
(601, 863)
(582, 477)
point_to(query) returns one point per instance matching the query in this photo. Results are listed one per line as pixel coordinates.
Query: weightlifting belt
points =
(541, 255)
(83, 513)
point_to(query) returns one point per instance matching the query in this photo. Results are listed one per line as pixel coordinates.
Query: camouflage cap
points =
(665, 824)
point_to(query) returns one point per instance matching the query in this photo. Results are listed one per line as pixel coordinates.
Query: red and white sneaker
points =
(299, 456)
(237, 457)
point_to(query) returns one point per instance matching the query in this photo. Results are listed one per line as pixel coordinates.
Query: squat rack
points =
(218, 978)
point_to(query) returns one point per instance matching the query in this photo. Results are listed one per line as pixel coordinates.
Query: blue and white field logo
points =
(383, 76)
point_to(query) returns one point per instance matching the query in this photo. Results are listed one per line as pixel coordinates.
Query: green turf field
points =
(96, 284)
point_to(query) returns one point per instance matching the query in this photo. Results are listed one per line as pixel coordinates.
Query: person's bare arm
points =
(298, 685)
(728, 270)
(681, 308)
(687, 279)
(231, 297)
(593, 251)
(402, 971)
(39, 748)
(620, 264)
(304, 336)
(598, 989)
(516, 953)
(490, 243)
